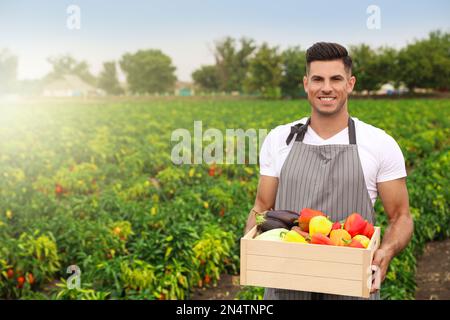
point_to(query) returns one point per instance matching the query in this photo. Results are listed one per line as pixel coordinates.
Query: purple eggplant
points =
(290, 218)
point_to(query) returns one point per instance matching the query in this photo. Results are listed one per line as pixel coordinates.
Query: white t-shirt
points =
(381, 157)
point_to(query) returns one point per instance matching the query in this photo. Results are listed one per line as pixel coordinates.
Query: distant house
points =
(69, 86)
(184, 89)
(386, 88)
(389, 89)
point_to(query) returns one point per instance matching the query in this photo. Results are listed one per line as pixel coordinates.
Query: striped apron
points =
(328, 178)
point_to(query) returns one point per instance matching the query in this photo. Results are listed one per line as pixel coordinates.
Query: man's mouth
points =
(323, 98)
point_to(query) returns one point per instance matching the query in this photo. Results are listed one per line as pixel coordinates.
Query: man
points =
(334, 163)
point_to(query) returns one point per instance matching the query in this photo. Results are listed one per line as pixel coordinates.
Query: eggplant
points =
(288, 217)
(266, 224)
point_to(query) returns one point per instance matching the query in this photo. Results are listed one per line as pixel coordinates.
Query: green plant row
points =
(92, 185)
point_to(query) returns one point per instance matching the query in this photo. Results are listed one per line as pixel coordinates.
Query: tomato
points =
(20, 281)
(10, 273)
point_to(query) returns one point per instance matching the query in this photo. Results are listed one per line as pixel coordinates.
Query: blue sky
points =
(186, 30)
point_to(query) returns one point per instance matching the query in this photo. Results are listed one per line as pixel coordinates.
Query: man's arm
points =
(397, 235)
(265, 199)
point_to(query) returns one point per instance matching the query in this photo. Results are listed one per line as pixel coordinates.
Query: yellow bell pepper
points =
(294, 236)
(320, 224)
(363, 239)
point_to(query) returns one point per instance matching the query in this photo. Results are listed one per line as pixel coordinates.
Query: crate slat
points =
(304, 283)
(304, 267)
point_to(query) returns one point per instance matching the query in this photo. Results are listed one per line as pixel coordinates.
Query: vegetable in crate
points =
(276, 219)
(339, 236)
(305, 217)
(355, 244)
(269, 224)
(301, 232)
(320, 224)
(368, 230)
(355, 224)
(293, 236)
(319, 238)
(274, 234)
(362, 239)
(336, 226)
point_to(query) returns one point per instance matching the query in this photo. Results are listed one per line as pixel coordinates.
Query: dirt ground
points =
(226, 289)
(433, 277)
(433, 272)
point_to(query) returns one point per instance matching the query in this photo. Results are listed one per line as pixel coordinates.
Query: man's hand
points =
(381, 259)
(398, 233)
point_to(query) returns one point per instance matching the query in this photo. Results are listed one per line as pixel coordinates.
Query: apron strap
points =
(351, 131)
(300, 130)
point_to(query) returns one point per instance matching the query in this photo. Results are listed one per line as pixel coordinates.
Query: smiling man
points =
(334, 163)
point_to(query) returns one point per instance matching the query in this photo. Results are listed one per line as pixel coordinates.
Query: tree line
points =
(268, 71)
(243, 66)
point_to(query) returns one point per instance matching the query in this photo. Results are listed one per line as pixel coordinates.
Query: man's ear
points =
(351, 84)
(305, 83)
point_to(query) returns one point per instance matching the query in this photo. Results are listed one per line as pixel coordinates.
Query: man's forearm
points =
(397, 235)
(251, 221)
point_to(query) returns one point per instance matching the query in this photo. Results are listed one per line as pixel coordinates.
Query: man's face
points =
(328, 86)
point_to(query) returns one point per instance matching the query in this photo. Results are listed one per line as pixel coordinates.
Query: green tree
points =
(364, 68)
(232, 63)
(385, 66)
(148, 71)
(207, 77)
(265, 72)
(108, 80)
(67, 65)
(426, 63)
(294, 66)
(8, 70)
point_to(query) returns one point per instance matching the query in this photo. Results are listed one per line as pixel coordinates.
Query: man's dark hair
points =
(326, 51)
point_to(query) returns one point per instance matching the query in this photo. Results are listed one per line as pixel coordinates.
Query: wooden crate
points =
(307, 267)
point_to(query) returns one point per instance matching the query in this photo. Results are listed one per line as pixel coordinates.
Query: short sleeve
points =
(267, 166)
(392, 162)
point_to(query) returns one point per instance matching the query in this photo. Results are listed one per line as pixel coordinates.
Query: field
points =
(91, 184)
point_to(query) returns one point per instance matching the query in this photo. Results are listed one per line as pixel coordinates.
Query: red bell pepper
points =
(319, 238)
(368, 230)
(336, 226)
(355, 224)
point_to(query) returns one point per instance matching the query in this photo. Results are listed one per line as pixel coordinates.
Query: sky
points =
(186, 30)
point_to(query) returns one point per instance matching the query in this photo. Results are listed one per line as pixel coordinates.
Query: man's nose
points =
(326, 89)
